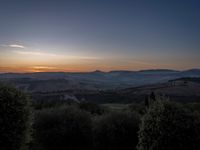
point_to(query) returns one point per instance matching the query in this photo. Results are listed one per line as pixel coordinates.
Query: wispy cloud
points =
(43, 67)
(13, 46)
(36, 53)
(16, 46)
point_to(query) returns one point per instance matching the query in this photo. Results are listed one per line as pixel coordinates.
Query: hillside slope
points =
(97, 80)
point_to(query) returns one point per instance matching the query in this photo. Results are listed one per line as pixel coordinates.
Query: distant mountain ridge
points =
(96, 80)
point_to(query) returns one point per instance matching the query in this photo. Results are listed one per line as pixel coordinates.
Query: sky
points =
(88, 35)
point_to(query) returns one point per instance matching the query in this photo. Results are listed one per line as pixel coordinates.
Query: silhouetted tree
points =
(63, 128)
(116, 131)
(147, 101)
(14, 119)
(168, 126)
(153, 96)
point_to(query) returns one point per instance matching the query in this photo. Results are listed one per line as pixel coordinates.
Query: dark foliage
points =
(92, 108)
(116, 131)
(194, 107)
(168, 126)
(14, 119)
(48, 103)
(63, 128)
(137, 107)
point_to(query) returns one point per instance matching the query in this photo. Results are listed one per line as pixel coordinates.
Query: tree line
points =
(160, 125)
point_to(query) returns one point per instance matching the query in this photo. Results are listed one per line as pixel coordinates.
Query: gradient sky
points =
(86, 35)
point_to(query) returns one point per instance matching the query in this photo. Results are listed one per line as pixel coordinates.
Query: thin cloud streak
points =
(13, 46)
(43, 67)
(34, 53)
(16, 46)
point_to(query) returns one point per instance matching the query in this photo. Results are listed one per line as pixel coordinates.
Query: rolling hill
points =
(97, 80)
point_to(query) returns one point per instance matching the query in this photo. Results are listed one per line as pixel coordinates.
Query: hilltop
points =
(97, 80)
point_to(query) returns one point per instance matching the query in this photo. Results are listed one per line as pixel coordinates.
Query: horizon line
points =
(154, 69)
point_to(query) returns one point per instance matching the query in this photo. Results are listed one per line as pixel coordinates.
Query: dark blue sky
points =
(111, 34)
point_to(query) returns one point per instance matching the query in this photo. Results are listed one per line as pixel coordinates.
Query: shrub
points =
(14, 118)
(167, 126)
(91, 107)
(116, 131)
(195, 107)
(139, 108)
(48, 103)
(63, 128)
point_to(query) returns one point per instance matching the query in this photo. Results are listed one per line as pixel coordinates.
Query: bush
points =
(48, 103)
(116, 131)
(169, 126)
(14, 118)
(63, 128)
(195, 107)
(92, 108)
(139, 108)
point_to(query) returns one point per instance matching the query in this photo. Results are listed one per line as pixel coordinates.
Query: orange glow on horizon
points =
(24, 60)
(76, 68)
(70, 68)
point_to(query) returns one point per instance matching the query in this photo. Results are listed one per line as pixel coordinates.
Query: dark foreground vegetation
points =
(15, 118)
(156, 124)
